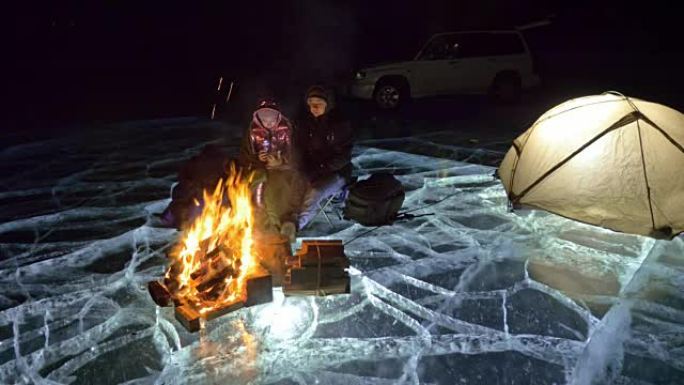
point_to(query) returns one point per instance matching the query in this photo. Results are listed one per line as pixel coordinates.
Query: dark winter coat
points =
(323, 145)
(201, 172)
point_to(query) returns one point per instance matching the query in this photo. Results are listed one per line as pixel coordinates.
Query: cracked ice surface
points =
(472, 294)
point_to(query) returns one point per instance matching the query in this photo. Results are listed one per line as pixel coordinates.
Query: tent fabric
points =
(606, 160)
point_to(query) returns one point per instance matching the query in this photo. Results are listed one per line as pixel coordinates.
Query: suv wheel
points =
(389, 95)
(506, 88)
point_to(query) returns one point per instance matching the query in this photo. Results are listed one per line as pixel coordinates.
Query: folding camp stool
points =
(329, 203)
(332, 201)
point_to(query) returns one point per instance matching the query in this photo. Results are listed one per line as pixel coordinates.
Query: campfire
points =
(215, 269)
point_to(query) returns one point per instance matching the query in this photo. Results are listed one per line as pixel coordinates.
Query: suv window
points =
(487, 44)
(472, 44)
(443, 47)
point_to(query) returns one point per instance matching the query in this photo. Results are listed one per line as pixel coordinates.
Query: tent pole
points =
(643, 165)
(627, 119)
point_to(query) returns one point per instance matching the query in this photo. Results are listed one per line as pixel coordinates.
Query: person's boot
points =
(289, 230)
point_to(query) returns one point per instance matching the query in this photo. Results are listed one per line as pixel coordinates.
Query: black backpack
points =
(375, 201)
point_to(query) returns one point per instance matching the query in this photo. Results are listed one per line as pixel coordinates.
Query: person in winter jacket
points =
(323, 145)
(201, 172)
(267, 150)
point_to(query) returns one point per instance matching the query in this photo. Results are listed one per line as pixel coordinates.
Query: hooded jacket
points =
(278, 190)
(260, 137)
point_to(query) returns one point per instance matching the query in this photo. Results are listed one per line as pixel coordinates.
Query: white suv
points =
(497, 63)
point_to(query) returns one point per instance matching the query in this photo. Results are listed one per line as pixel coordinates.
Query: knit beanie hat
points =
(317, 92)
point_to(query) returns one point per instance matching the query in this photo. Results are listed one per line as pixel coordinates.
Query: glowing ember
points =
(215, 256)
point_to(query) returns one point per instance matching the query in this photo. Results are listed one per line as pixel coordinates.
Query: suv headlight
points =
(360, 75)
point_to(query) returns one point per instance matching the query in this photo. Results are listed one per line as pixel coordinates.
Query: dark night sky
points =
(131, 59)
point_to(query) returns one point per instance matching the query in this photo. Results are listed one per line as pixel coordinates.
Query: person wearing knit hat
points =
(317, 92)
(317, 100)
(323, 140)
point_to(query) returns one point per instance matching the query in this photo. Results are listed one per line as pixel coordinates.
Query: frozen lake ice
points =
(473, 294)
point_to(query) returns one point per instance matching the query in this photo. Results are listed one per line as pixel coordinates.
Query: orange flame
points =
(217, 247)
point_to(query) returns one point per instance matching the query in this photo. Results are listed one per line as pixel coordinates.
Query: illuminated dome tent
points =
(607, 160)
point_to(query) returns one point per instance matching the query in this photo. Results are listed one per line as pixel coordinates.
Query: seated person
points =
(267, 150)
(199, 173)
(323, 142)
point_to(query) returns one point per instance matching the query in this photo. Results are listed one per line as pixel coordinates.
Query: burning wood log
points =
(174, 270)
(213, 292)
(214, 277)
(259, 290)
(216, 263)
(159, 293)
(318, 268)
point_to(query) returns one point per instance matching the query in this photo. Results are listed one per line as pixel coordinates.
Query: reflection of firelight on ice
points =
(285, 318)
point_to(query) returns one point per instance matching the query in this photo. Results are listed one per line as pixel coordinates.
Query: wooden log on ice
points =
(188, 317)
(321, 251)
(159, 293)
(307, 281)
(327, 287)
(223, 310)
(319, 268)
(259, 288)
